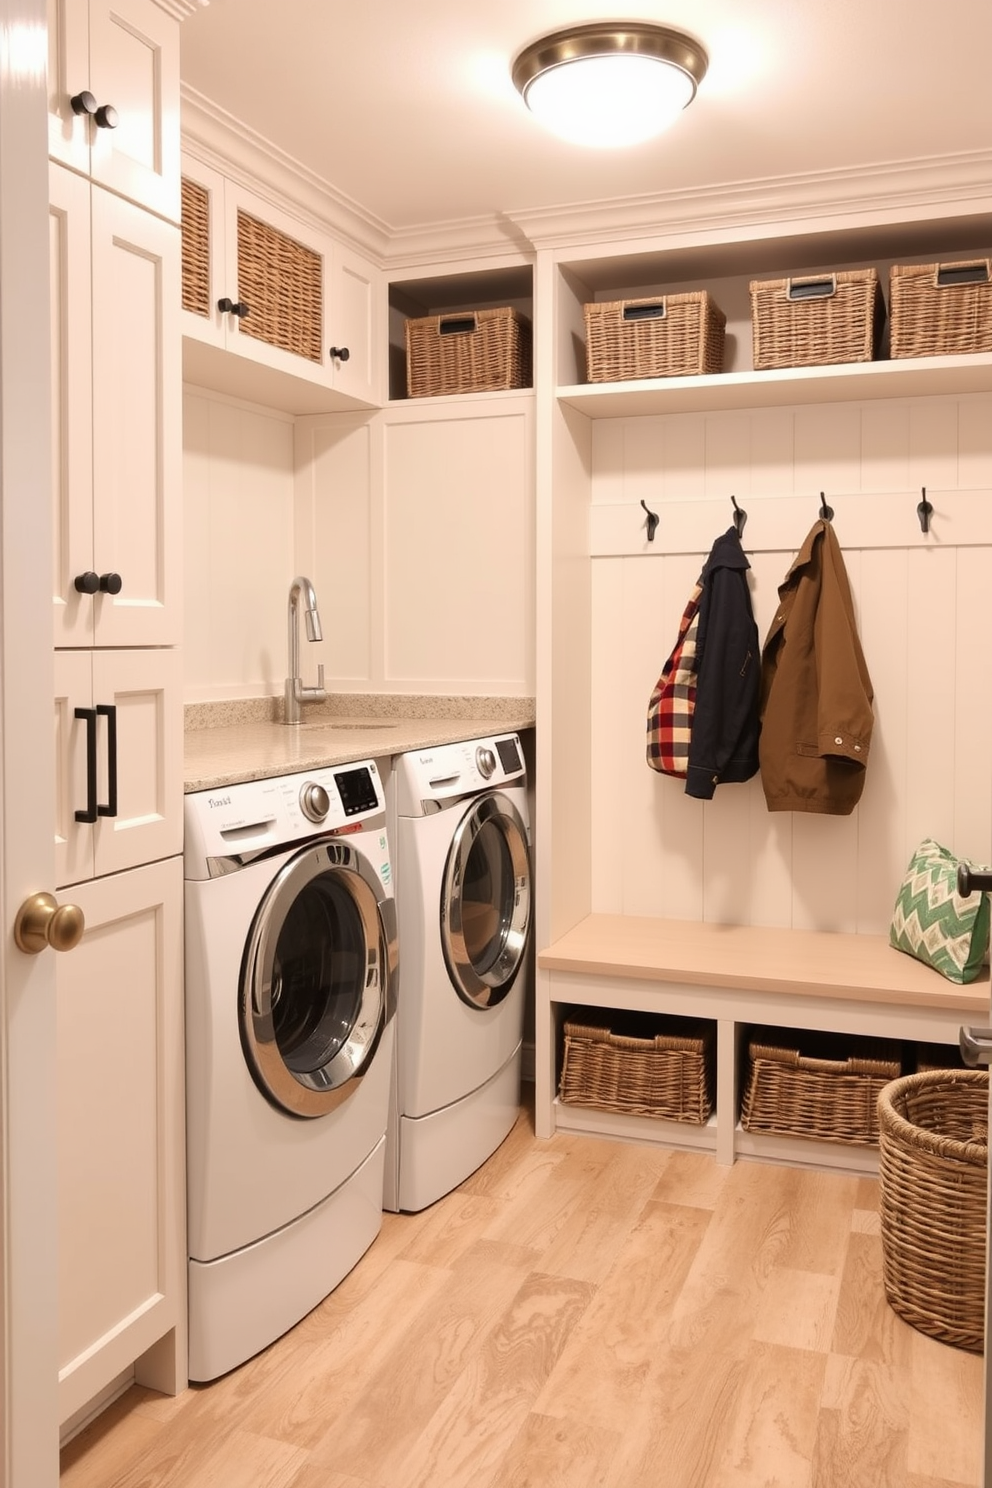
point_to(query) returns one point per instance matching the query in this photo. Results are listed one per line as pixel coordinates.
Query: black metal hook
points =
(924, 511)
(652, 521)
(740, 516)
(826, 512)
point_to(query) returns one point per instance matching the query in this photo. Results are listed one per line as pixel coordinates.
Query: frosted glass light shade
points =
(607, 86)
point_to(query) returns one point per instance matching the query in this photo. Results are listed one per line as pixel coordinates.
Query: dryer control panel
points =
(449, 771)
(262, 815)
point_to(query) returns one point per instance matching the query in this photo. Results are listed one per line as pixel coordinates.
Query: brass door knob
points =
(42, 921)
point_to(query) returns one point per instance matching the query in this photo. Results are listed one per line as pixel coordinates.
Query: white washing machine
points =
(291, 959)
(461, 842)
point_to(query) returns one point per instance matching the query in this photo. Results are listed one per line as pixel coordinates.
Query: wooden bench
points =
(739, 975)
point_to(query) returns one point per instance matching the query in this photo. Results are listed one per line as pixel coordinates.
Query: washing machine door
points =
(485, 900)
(316, 979)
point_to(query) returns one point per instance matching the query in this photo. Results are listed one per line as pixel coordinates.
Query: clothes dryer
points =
(291, 959)
(460, 829)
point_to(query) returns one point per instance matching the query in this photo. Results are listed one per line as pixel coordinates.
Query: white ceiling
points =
(406, 106)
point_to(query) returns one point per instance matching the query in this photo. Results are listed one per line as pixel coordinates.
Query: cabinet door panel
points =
(121, 1206)
(68, 74)
(136, 428)
(71, 407)
(145, 689)
(351, 322)
(134, 64)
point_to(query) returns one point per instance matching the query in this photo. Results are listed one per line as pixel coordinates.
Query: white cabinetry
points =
(116, 407)
(121, 1200)
(614, 840)
(116, 419)
(121, 61)
(297, 308)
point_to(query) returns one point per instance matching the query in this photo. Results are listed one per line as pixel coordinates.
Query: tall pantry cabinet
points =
(116, 470)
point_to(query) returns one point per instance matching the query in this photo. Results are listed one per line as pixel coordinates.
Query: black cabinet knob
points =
(83, 103)
(107, 116)
(227, 306)
(340, 353)
(87, 583)
(104, 114)
(111, 583)
(972, 882)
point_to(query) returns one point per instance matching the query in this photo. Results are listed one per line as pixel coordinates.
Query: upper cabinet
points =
(273, 310)
(116, 410)
(113, 79)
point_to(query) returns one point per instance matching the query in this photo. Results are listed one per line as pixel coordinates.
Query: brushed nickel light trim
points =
(607, 40)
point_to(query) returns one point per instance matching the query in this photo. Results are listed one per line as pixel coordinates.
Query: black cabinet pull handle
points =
(104, 115)
(109, 711)
(87, 583)
(89, 815)
(340, 352)
(110, 583)
(227, 306)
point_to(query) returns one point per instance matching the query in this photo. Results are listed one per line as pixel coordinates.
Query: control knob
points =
(314, 801)
(485, 761)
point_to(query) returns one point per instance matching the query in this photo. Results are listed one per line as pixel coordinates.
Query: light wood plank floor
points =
(583, 1314)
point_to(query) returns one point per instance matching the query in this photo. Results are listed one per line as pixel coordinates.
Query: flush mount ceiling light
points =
(610, 84)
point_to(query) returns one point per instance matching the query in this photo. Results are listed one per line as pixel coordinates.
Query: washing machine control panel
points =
(238, 821)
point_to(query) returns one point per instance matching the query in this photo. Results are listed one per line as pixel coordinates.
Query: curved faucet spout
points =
(302, 589)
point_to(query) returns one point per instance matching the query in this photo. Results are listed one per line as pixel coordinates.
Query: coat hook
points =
(740, 516)
(924, 511)
(826, 512)
(652, 521)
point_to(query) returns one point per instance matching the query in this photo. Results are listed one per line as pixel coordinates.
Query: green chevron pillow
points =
(931, 920)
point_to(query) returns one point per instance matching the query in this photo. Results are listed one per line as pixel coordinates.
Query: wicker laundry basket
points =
(816, 1085)
(475, 352)
(941, 309)
(933, 1185)
(641, 1065)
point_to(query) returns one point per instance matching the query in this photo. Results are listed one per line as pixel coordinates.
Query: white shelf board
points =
(805, 1152)
(621, 1127)
(921, 377)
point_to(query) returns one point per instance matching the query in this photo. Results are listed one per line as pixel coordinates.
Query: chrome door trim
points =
(489, 989)
(311, 1094)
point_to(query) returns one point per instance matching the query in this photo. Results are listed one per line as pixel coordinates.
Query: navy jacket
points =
(724, 741)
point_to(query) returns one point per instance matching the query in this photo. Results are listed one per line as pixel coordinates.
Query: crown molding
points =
(939, 186)
(223, 142)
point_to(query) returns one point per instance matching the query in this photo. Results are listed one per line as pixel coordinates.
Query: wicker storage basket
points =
(482, 351)
(813, 322)
(933, 1184)
(826, 1091)
(623, 1063)
(940, 309)
(678, 335)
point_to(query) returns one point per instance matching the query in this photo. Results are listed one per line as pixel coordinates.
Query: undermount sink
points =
(356, 728)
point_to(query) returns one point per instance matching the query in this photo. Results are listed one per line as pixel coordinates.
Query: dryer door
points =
(485, 900)
(316, 980)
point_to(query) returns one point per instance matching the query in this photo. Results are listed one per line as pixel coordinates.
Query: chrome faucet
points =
(296, 693)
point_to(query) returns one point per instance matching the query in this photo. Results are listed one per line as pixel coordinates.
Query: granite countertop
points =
(246, 740)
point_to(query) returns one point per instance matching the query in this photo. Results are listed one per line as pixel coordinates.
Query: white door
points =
(28, 1263)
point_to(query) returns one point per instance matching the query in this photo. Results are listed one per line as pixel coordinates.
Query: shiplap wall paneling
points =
(920, 600)
(335, 519)
(238, 542)
(458, 550)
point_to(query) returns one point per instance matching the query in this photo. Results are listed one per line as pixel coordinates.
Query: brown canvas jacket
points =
(816, 694)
